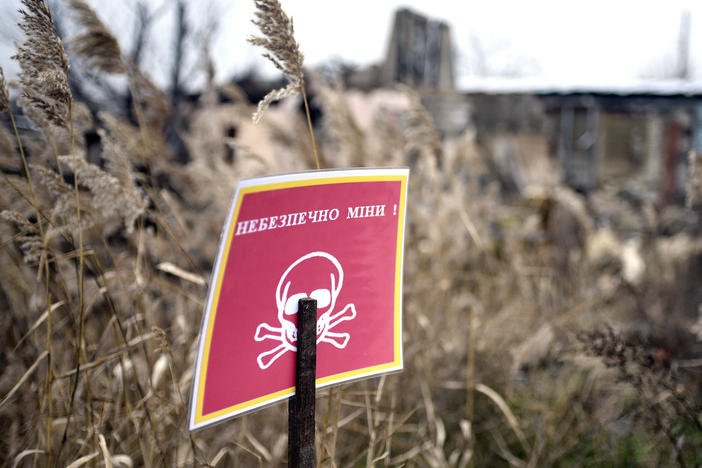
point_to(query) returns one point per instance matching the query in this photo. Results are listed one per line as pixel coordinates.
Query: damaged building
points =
(629, 136)
(583, 136)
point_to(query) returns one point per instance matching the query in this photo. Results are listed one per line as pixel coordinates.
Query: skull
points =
(295, 284)
(301, 279)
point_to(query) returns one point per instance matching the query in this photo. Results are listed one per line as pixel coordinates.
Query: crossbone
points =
(287, 304)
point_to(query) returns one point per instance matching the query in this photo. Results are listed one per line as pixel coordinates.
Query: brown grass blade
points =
(23, 379)
(504, 408)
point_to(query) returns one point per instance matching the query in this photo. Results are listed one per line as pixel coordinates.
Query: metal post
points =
(301, 406)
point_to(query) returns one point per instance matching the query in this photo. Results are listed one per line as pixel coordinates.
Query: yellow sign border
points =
(395, 364)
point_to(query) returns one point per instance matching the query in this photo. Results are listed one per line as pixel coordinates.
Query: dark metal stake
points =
(301, 406)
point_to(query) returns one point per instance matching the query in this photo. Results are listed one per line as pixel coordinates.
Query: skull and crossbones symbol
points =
(294, 285)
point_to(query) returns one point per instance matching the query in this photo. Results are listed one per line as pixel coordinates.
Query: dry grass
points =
(528, 339)
(96, 43)
(283, 51)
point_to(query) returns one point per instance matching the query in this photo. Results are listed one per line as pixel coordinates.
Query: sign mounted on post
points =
(335, 236)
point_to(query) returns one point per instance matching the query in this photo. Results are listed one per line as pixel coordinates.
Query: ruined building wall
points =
(419, 53)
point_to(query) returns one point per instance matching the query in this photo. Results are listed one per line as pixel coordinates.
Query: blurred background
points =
(551, 42)
(609, 88)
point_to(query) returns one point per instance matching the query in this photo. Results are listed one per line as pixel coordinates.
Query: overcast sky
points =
(565, 42)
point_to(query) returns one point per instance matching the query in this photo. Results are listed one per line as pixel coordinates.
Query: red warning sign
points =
(336, 236)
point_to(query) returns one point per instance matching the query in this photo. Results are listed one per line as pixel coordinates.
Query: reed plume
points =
(110, 196)
(28, 236)
(46, 95)
(63, 203)
(283, 51)
(96, 43)
(279, 40)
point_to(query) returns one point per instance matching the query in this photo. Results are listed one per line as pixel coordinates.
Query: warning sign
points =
(335, 236)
